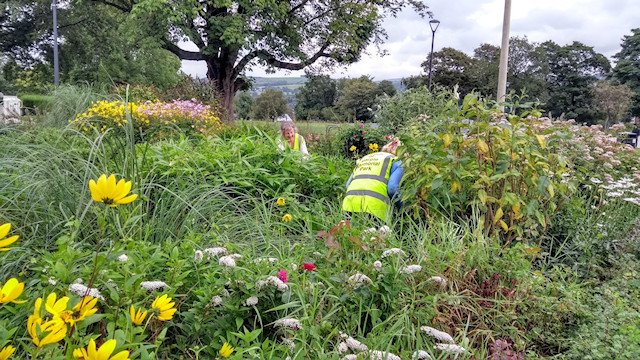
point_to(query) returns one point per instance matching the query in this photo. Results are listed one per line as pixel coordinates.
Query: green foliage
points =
(357, 98)
(614, 101)
(503, 169)
(386, 87)
(627, 65)
(189, 88)
(315, 100)
(397, 111)
(357, 141)
(243, 104)
(69, 100)
(35, 102)
(268, 105)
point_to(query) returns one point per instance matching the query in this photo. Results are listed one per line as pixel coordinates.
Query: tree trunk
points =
(226, 85)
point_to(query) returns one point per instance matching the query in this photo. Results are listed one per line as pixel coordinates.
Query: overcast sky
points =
(465, 24)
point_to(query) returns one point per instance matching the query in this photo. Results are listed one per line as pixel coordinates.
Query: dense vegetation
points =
(518, 239)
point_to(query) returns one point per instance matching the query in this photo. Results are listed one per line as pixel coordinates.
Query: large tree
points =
(571, 70)
(627, 69)
(230, 36)
(451, 67)
(317, 94)
(107, 48)
(357, 98)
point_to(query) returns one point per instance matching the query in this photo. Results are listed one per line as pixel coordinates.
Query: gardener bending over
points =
(374, 183)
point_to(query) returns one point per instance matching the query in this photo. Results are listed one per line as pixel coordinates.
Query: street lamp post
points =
(56, 66)
(433, 24)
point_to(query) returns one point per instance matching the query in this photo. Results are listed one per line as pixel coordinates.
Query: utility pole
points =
(504, 55)
(56, 66)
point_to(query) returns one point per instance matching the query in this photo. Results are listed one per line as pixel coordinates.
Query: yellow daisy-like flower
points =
(10, 291)
(56, 307)
(353, 148)
(44, 333)
(137, 317)
(6, 241)
(102, 353)
(166, 307)
(111, 193)
(226, 350)
(85, 308)
(280, 202)
(287, 217)
(373, 147)
(6, 352)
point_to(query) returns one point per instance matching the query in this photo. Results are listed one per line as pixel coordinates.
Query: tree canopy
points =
(627, 70)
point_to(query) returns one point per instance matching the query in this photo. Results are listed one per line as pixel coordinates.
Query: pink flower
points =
(361, 125)
(309, 267)
(282, 275)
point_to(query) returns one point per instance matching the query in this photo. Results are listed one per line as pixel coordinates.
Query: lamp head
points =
(434, 24)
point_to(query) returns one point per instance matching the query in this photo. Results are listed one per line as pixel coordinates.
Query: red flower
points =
(282, 275)
(309, 267)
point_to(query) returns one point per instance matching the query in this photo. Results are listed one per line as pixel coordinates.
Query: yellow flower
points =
(6, 352)
(107, 191)
(55, 306)
(85, 308)
(10, 291)
(353, 148)
(4, 242)
(287, 217)
(373, 147)
(166, 307)
(226, 350)
(137, 317)
(44, 333)
(102, 353)
(280, 202)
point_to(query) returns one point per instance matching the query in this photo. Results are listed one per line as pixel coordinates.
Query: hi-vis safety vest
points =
(367, 191)
(296, 142)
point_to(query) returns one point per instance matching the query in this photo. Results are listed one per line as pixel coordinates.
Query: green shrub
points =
(396, 111)
(502, 168)
(356, 141)
(35, 102)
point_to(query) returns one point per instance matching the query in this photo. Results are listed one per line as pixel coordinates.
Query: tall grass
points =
(65, 101)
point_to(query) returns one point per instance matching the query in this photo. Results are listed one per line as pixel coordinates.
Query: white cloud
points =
(465, 24)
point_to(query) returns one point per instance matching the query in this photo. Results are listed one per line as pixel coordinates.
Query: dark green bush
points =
(357, 141)
(35, 102)
(395, 112)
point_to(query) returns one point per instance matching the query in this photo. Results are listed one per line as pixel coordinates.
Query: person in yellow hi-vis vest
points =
(375, 183)
(291, 138)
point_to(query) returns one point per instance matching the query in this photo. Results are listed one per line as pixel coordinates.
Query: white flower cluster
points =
(52, 281)
(123, 258)
(216, 300)
(437, 334)
(82, 290)
(382, 232)
(153, 285)
(393, 251)
(272, 280)
(410, 269)
(451, 349)
(288, 323)
(359, 279)
(198, 256)
(382, 355)
(229, 260)
(420, 355)
(290, 344)
(355, 345)
(215, 252)
(270, 260)
(252, 301)
(439, 280)
(377, 265)
(350, 357)
(342, 347)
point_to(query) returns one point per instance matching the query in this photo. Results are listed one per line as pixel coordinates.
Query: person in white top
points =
(289, 137)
